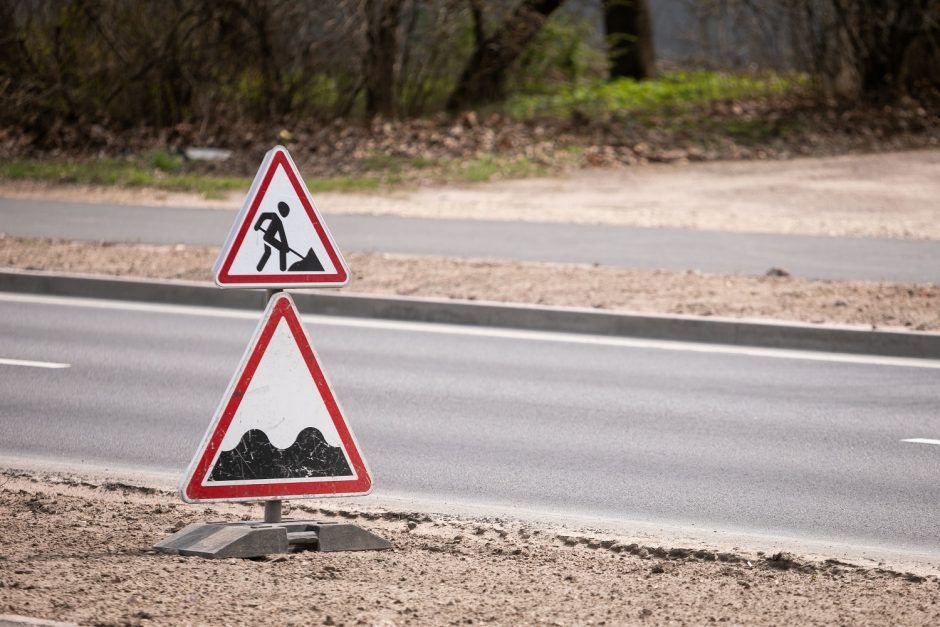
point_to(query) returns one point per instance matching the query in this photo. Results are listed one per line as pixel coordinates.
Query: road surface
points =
(807, 256)
(615, 428)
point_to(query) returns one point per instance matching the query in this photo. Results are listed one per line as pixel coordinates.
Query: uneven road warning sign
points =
(278, 432)
(279, 238)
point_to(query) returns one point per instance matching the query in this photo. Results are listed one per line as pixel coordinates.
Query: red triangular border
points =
(225, 278)
(193, 489)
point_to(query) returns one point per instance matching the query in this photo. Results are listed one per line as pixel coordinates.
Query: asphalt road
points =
(666, 249)
(807, 449)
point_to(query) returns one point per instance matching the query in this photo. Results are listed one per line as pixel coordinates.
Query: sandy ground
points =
(893, 195)
(909, 306)
(76, 550)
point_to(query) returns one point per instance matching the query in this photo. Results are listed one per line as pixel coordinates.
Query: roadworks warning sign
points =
(279, 238)
(279, 431)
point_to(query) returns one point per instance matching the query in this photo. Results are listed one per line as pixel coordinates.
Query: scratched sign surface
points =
(279, 431)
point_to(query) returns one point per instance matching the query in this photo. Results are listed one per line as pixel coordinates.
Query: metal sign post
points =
(272, 509)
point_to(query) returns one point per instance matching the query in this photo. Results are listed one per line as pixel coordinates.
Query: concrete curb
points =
(764, 334)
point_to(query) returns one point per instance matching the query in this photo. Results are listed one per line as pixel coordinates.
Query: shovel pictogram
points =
(309, 262)
(279, 239)
(275, 237)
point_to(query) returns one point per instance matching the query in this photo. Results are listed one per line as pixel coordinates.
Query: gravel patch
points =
(75, 550)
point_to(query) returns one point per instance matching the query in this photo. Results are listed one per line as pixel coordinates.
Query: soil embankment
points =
(76, 550)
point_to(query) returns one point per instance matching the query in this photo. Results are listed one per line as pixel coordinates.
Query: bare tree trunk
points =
(482, 78)
(630, 50)
(382, 17)
(881, 35)
(270, 78)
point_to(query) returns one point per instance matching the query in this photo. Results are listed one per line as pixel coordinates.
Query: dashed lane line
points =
(32, 364)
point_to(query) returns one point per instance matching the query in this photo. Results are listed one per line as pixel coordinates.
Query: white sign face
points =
(279, 431)
(279, 238)
(282, 400)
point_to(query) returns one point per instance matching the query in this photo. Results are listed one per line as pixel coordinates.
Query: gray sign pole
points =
(272, 509)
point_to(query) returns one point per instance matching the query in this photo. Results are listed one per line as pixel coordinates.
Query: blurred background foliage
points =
(124, 64)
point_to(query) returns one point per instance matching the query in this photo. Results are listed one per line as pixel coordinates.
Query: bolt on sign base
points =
(258, 538)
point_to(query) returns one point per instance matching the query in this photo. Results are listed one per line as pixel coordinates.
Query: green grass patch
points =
(127, 173)
(669, 92)
(122, 173)
(164, 161)
(348, 183)
(382, 163)
(747, 131)
(163, 172)
(488, 167)
(395, 165)
(420, 163)
(750, 131)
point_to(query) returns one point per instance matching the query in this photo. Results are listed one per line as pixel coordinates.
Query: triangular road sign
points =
(278, 432)
(279, 238)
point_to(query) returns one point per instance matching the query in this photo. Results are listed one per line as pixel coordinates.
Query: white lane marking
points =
(922, 441)
(603, 340)
(514, 334)
(32, 364)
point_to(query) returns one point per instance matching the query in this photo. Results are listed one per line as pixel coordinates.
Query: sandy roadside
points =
(891, 195)
(882, 305)
(75, 549)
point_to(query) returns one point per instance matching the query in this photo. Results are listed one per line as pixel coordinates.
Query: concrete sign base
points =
(258, 538)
